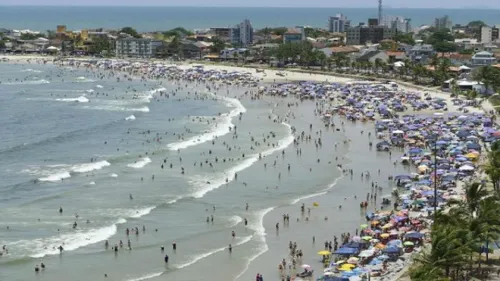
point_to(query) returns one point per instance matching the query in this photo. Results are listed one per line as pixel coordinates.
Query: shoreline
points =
(295, 77)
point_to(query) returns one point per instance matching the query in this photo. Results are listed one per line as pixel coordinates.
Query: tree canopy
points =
(130, 31)
(178, 31)
(30, 36)
(476, 24)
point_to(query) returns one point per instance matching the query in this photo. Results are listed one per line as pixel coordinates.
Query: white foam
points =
(260, 232)
(99, 86)
(89, 91)
(31, 70)
(80, 78)
(130, 118)
(140, 164)
(113, 175)
(230, 173)
(92, 183)
(32, 82)
(62, 171)
(119, 108)
(207, 254)
(81, 99)
(142, 212)
(71, 241)
(234, 221)
(146, 277)
(217, 130)
(158, 90)
(56, 177)
(89, 167)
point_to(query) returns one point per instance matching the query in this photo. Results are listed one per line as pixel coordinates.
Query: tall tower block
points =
(380, 12)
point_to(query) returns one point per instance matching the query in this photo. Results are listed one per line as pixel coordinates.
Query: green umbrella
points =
(368, 238)
(408, 243)
(363, 226)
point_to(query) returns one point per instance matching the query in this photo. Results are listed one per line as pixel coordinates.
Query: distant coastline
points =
(164, 18)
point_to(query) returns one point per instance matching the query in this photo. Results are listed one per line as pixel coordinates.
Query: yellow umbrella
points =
(389, 225)
(324, 253)
(347, 266)
(380, 246)
(315, 204)
(384, 235)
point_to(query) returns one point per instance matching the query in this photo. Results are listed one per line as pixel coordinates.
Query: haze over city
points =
(446, 4)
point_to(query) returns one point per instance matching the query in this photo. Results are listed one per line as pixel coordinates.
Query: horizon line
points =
(224, 6)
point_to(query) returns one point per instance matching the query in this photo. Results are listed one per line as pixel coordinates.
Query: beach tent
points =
(414, 235)
(391, 250)
(346, 251)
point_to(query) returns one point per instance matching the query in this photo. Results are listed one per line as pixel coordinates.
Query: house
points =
(394, 56)
(372, 56)
(294, 35)
(339, 50)
(456, 58)
(420, 52)
(483, 58)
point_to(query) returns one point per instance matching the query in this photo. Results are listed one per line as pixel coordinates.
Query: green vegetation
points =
(315, 33)
(442, 41)
(218, 45)
(130, 31)
(100, 46)
(178, 31)
(462, 234)
(29, 36)
(404, 38)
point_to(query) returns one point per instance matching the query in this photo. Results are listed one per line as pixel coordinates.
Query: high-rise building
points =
(400, 24)
(443, 23)
(488, 34)
(339, 23)
(361, 35)
(242, 34)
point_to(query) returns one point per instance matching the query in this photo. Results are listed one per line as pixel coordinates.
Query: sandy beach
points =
(270, 175)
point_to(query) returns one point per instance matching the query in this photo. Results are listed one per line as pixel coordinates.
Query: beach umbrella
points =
(353, 260)
(363, 226)
(408, 243)
(367, 238)
(315, 204)
(384, 235)
(324, 253)
(366, 253)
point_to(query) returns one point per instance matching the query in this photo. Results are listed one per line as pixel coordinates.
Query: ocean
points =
(168, 156)
(165, 18)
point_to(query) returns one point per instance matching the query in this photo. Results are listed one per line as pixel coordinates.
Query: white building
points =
(242, 34)
(443, 23)
(339, 23)
(489, 34)
(483, 58)
(136, 47)
(401, 24)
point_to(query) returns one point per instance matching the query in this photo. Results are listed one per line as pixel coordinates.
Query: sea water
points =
(73, 140)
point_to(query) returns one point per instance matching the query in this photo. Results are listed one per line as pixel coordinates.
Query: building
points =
(421, 52)
(443, 23)
(137, 47)
(361, 35)
(223, 33)
(400, 24)
(488, 34)
(372, 56)
(294, 35)
(338, 23)
(242, 34)
(483, 58)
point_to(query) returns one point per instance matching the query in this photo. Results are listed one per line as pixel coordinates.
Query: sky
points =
(458, 4)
